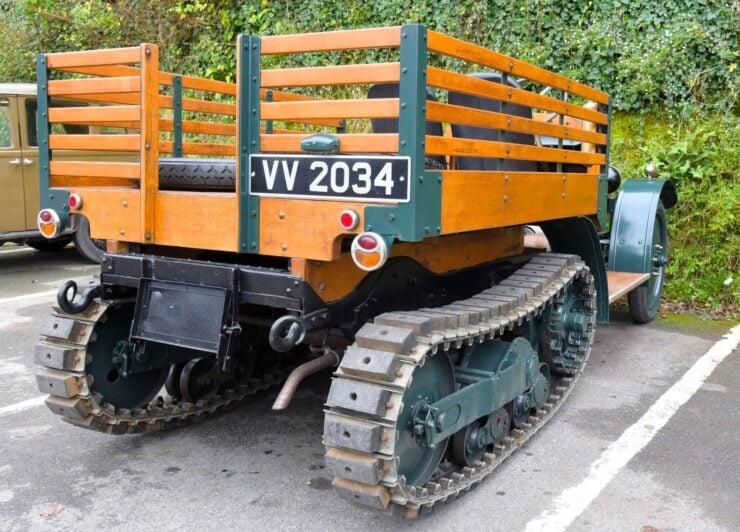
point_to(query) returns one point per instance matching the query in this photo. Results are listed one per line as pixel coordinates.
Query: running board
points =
(620, 283)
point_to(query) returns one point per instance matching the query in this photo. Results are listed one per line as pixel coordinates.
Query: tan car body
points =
(19, 172)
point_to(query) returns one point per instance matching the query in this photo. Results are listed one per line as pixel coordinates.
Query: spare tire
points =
(208, 175)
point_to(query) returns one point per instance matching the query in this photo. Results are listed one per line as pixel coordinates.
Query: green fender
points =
(630, 239)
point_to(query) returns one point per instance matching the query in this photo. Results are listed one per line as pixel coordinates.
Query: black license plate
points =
(367, 178)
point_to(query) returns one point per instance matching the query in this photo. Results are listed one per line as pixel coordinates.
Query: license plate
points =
(366, 178)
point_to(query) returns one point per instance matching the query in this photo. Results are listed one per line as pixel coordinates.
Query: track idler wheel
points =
(197, 379)
(470, 444)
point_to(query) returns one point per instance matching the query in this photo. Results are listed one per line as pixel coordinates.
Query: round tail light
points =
(48, 223)
(75, 201)
(369, 251)
(349, 219)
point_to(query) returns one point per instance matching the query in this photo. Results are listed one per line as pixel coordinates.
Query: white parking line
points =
(26, 297)
(573, 501)
(23, 405)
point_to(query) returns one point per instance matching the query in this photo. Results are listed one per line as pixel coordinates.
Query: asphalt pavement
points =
(255, 469)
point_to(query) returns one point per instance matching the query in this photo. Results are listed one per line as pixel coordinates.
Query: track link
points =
(366, 394)
(62, 357)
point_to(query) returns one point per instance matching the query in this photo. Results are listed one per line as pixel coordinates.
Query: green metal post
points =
(268, 123)
(502, 134)
(420, 217)
(177, 114)
(249, 139)
(604, 171)
(56, 199)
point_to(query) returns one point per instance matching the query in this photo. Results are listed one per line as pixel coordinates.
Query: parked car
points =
(19, 179)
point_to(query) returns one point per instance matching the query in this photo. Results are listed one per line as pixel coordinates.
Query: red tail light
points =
(49, 223)
(74, 201)
(349, 219)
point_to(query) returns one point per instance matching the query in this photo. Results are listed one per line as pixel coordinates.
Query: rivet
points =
(403, 143)
(506, 198)
(421, 179)
(403, 105)
(509, 93)
(563, 195)
(148, 236)
(253, 213)
(565, 178)
(404, 70)
(147, 146)
(284, 247)
(391, 217)
(281, 215)
(253, 245)
(322, 287)
(511, 65)
(506, 178)
(122, 231)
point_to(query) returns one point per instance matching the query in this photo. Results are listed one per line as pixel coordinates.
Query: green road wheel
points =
(431, 382)
(644, 301)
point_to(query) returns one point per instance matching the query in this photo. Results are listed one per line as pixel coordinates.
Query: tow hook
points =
(68, 304)
(286, 333)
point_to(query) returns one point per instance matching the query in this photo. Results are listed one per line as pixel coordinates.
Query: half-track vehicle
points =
(380, 228)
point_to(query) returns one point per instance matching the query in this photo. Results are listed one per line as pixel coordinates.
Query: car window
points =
(33, 139)
(5, 138)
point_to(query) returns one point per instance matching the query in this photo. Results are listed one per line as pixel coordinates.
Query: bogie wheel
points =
(172, 384)
(196, 379)
(431, 382)
(644, 301)
(132, 391)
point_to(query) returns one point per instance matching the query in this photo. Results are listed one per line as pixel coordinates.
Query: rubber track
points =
(366, 393)
(61, 355)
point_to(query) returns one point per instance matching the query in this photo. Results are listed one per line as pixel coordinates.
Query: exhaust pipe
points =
(328, 359)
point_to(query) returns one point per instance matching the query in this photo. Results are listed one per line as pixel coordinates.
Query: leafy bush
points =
(702, 157)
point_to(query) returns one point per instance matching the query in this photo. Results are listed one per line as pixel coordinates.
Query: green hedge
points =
(671, 68)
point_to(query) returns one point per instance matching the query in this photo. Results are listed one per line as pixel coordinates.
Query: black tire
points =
(211, 175)
(91, 249)
(48, 246)
(644, 301)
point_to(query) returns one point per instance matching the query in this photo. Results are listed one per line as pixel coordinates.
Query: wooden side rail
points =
(389, 37)
(450, 46)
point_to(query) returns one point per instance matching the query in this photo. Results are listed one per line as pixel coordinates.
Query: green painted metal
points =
(432, 381)
(496, 373)
(269, 123)
(322, 142)
(420, 217)
(249, 139)
(177, 115)
(578, 236)
(631, 243)
(50, 199)
(603, 193)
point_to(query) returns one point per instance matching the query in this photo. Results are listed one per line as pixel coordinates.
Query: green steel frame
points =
(50, 199)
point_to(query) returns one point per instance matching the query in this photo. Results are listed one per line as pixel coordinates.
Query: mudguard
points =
(579, 237)
(630, 239)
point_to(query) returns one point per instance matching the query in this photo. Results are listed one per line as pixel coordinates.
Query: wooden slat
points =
(444, 79)
(290, 111)
(114, 56)
(200, 148)
(456, 114)
(94, 142)
(131, 98)
(348, 143)
(64, 87)
(95, 115)
(113, 212)
(165, 78)
(331, 75)
(621, 283)
(200, 106)
(512, 198)
(438, 42)
(200, 127)
(217, 215)
(507, 150)
(95, 169)
(65, 181)
(336, 40)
